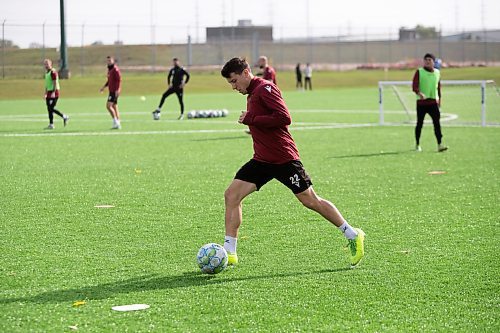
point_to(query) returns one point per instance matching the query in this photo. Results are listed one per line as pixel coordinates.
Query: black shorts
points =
(291, 174)
(112, 98)
(51, 102)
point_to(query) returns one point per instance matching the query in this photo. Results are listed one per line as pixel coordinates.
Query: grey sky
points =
(130, 21)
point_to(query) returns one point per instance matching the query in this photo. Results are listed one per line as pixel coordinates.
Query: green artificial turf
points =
(431, 248)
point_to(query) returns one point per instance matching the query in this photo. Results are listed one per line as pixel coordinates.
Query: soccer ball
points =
(212, 258)
(143, 98)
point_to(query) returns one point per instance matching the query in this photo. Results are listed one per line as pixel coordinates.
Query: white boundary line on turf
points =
(119, 132)
(446, 117)
(299, 128)
(137, 113)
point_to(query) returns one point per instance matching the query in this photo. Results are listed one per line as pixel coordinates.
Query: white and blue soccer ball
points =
(212, 258)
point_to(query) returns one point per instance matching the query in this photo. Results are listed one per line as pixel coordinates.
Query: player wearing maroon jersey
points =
(113, 83)
(268, 73)
(275, 157)
(52, 93)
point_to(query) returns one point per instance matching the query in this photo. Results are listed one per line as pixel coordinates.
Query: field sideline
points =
(432, 240)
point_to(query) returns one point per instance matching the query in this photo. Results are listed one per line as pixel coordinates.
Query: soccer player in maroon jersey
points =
(268, 73)
(113, 83)
(275, 157)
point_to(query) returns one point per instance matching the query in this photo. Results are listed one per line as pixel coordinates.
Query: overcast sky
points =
(129, 21)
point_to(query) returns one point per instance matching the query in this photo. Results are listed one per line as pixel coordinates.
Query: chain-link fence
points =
(150, 48)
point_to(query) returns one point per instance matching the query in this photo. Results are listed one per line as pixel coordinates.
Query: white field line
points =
(297, 126)
(136, 113)
(42, 118)
(119, 132)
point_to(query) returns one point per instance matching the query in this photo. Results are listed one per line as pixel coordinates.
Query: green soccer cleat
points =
(357, 247)
(232, 259)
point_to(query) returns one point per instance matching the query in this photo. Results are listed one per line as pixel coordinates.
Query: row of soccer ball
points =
(207, 113)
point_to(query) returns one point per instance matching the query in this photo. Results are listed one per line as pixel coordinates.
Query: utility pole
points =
(197, 17)
(153, 42)
(64, 70)
(43, 41)
(3, 49)
(82, 54)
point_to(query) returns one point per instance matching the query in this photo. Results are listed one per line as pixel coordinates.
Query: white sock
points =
(158, 110)
(348, 231)
(230, 244)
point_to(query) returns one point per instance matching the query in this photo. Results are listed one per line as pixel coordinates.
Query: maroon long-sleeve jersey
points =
(269, 74)
(268, 119)
(114, 79)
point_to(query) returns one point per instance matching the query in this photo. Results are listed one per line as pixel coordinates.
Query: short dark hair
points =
(430, 55)
(175, 59)
(235, 65)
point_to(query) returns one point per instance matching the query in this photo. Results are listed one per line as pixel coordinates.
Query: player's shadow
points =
(149, 282)
(382, 153)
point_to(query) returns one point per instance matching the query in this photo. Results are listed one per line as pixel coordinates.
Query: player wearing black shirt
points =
(176, 85)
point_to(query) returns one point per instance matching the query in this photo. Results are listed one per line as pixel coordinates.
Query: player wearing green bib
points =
(427, 87)
(52, 93)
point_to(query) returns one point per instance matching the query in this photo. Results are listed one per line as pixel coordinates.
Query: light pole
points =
(82, 54)
(64, 70)
(3, 49)
(43, 41)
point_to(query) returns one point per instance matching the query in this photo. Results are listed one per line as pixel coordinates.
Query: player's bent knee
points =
(311, 202)
(231, 196)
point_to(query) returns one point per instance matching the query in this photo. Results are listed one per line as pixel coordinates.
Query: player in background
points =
(298, 75)
(427, 87)
(176, 76)
(438, 63)
(275, 157)
(52, 93)
(308, 75)
(268, 73)
(113, 83)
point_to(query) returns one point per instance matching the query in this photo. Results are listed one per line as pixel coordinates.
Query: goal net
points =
(473, 102)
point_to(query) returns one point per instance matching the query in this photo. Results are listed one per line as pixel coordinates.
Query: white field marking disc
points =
(104, 206)
(131, 307)
(437, 172)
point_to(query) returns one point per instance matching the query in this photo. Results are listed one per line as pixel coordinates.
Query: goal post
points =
(464, 102)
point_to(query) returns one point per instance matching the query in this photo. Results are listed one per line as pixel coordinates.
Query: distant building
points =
(407, 34)
(417, 33)
(475, 36)
(243, 31)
